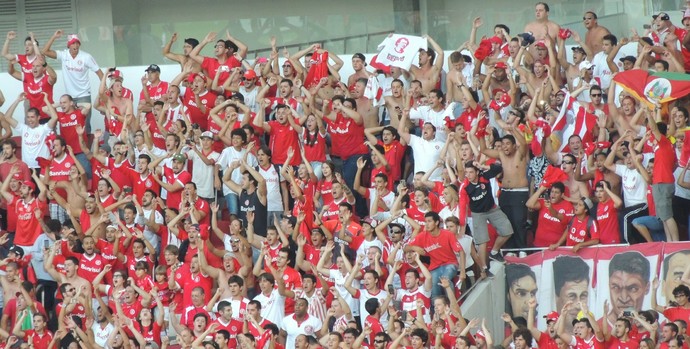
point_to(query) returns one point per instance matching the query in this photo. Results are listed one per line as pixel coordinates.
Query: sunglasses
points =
(587, 18)
(568, 162)
(596, 95)
(287, 66)
(378, 341)
(396, 232)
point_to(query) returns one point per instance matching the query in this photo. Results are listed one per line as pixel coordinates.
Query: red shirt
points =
(78, 311)
(234, 327)
(151, 333)
(315, 151)
(375, 325)
(293, 281)
(549, 228)
(324, 188)
(607, 221)
(212, 67)
(34, 93)
(592, 343)
(90, 267)
(180, 275)
(132, 310)
(40, 341)
(441, 249)
(664, 162)
(156, 92)
(68, 123)
(28, 227)
(678, 313)
(157, 138)
(196, 280)
(395, 152)
(27, 67)
(59, 171)
(468, 117)
(141, 184)
(174, 198)
(283, 136)
(546, 342)
(347, 136)
(195, 115)
(578, 231)
(119, 173)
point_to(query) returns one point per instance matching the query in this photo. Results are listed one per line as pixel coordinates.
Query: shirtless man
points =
(430, 65)
(189, 45)
(358, 64)
(595, 33)
(70, 276)
(222, 275)
(365, 107)
(395, 102)
(457, 68)
(542, 26)
(514, 156)
(10, 286)
(574, 188)
(580, 53)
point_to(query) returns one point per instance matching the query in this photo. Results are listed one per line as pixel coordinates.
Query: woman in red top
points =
(324, 188)
(149, 327)
(314, 142)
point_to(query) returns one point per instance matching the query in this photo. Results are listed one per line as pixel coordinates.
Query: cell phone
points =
(127, 190)
(195, 126)
(403, 317)
(646, 26)
(391, 289)
(46, 244)
(627, 313)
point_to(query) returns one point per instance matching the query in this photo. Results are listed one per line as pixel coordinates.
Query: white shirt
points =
(339, 280)
(101, 334)
(229, 155)
(148, 234)
(425, 154)
(75, 72)
(310, 326)
(202, 174)
(274, 197)
(33, 143)
(436, 118)
(602, 70)
(272, 306)
(364, 296)
(250, 97)
(634, 186)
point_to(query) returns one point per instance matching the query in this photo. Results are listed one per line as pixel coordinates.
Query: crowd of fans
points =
(253, 205)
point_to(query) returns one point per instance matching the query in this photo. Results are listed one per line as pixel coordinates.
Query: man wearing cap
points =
(358, 64)
(203, 159)
(225, 56)
(628, 62)
(153, 89)
(116, 75)
(664, 26)
(249, 90)
(580, 53)
(76, 65)
(584, 82)
(546, 339)
(542, 26)
(595, 33)
(174, 178)
(430, 66)
(187, 47)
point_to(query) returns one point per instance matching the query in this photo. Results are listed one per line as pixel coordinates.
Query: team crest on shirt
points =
(606, 208)
(148, 183)
(68, 165)
(246, 202)
(73, 116)
(132, 312)
(98, 262)
(234, 328)
(159, 89)
(285, 277)
(481, 185)
(437, 147)
(79, 62)
(203, 101)
(309, 329)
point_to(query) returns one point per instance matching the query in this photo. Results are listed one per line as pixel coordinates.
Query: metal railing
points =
(344, 39)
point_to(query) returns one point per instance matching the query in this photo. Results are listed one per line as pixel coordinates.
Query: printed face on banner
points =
(672, 271)
(628, 281)
(571, 277)
(521, 284)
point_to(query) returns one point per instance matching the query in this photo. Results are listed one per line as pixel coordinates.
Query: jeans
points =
(447, 270)
(349, 172)
(512, 203)
(85, 163)
(233, 202)
(85, 99)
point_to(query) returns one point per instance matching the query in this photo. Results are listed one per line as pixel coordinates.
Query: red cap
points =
(479, 334)
(501, 65)
(495, 40)
(72, 38)
(552, 316)
(505, 99)
(17, 176)
(250, 74)
(540, 43)
(29, 184)
(115, 74)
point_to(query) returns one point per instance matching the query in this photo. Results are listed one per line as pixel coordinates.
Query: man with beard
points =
(620, 337)
(430, 65)
(175, 179)
(225, 58)
(58, 171)
(71, 271)
(197, 99)
(148, 217)
(25, 207)
(102, 327)
(547, 339)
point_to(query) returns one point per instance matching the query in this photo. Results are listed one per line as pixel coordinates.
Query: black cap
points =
(578, 48)
(632, 59)
(360, 56)
(664, 16)
(18, 250)
(292, 219)
(153, 67)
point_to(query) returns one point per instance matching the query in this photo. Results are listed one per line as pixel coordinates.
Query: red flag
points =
(650, 87)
